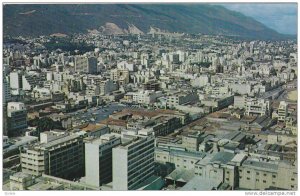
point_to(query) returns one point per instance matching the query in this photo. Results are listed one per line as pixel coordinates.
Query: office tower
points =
(17, 117)
(133, 162)
(85, 64)
(98, 159)
(60, 155)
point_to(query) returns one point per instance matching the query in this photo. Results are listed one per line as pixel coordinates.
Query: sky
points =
(280, 17)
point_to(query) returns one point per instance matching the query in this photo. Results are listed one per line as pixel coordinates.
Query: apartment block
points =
(133, 162)
(181, 99)
(282, 111)
(60, 157)
(17, 117)
(256, 174)
(85, 64)
(257, 107)
(98, 159)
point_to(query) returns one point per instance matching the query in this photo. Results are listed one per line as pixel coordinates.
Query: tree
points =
(45, 124)
(273, 72)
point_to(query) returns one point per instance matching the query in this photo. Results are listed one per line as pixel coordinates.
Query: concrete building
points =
(282, 111)
(152, 85)
(31, 80)
(126, 65)
(191, 141)
(17, 117)
(6, 90)
(98, 159)
(239, 102)
(60, 157)
(120, 76)
(20, 181)
(201, 81)
(133, 162)
(242, 89)
(181, 99)
(178, 156)
(15, 80)
(257, 107)
(221, 166)
(107, 86)
(85, 64)
(217, 102)
(257, 174)
(142, 97)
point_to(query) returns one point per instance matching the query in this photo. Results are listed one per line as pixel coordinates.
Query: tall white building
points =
(6, 90)
(98, 159)
(133, 162)
(282, 111)
(15, 80)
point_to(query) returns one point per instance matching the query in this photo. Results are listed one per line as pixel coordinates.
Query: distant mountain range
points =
(46, 19)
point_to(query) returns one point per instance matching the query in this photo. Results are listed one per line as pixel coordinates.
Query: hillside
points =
(42, 19)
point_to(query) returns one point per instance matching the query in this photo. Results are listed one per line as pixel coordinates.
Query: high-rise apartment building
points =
(282, 111)
(98, 159)
(85, 64)
(16, 117)
(133, 162)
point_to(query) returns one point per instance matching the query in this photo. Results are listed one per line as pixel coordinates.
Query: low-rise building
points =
(181, 99)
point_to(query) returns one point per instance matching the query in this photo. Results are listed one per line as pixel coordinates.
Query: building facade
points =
(133, 162)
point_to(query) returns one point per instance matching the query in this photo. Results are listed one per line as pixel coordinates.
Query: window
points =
(265, 174)
(248, 172)
(264, 181)
(240, 170)
(257, 180)
(240, 177)
(274, 176)
(273, 183)
(257, 173)
(292, 186)
(227, 179)
(248, 178)
(292, 179)
(227, 172)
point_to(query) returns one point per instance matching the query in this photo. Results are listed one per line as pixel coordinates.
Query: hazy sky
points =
(280, 17)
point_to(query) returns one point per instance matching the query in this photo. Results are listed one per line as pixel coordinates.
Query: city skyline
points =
(148, 97)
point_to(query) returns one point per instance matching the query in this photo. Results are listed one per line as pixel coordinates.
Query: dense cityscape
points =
(149, 111)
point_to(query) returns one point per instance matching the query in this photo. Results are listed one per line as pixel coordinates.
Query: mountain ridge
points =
(45, 19)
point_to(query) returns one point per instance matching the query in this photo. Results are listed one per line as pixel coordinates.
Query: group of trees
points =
(66, 44)
(45, 124)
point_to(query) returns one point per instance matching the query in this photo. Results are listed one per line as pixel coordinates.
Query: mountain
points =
(46, 19)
